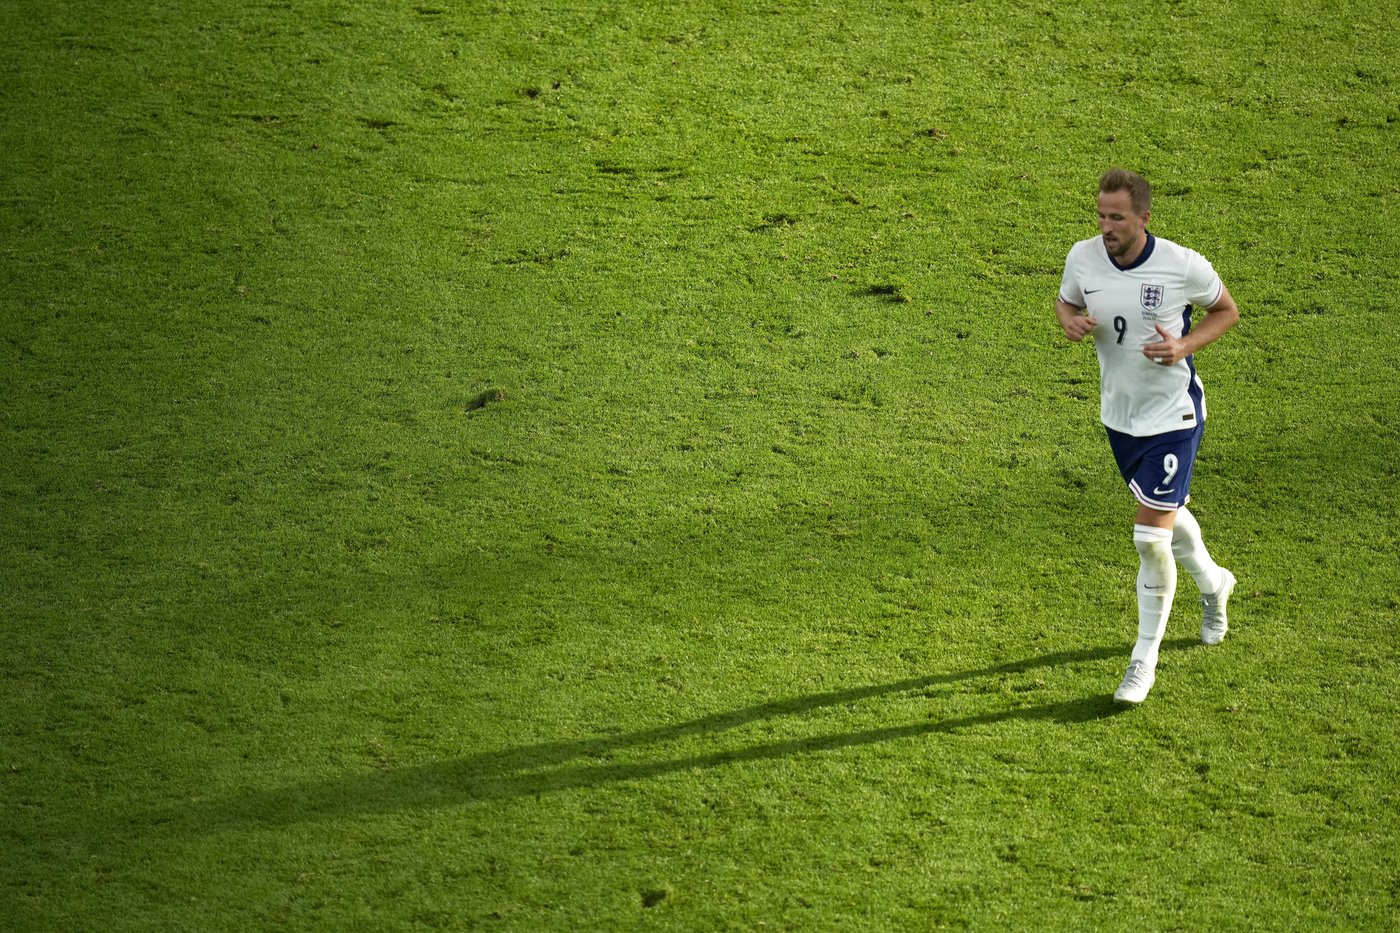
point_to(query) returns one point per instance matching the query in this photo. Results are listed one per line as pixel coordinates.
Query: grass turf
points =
(592, 466)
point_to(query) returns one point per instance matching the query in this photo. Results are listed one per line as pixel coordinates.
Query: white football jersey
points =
(1140, 397)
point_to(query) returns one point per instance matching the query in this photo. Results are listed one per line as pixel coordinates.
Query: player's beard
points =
(1117, 247)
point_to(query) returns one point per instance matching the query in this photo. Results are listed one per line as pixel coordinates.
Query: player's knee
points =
(1153, 544)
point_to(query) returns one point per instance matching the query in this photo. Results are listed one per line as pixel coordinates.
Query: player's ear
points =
(1146, 216)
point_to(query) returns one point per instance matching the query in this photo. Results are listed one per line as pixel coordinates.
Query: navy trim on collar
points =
(1142, 257)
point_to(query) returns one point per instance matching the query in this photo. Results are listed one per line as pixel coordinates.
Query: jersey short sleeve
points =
(1202, 285)
(1070, 290)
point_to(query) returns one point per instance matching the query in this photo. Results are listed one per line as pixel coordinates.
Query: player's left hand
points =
(1167, 351)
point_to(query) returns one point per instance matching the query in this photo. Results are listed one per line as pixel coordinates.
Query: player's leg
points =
(1157, 470)
(1156, 587)
(1215, 582)
(1190, 550)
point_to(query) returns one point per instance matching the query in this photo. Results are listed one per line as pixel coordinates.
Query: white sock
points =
(1156, 585)
(1190, 548)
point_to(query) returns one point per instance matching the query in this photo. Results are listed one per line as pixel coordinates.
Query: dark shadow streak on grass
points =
(522, 772)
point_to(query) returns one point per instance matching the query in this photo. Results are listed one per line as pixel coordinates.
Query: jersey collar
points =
(1142, 257)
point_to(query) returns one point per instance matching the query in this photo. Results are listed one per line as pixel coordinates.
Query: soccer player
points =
(1133, 294)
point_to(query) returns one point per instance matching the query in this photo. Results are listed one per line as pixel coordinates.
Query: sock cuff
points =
(1148, 533)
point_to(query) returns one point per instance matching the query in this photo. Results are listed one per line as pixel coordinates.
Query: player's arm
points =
(1219, 318)
(1075, 320)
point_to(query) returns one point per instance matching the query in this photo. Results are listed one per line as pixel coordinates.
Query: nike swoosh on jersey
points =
(1159, 491)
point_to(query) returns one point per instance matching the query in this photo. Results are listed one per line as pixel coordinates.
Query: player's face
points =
(1123, 229)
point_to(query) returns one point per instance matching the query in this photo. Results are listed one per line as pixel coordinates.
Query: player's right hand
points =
(1079, 327)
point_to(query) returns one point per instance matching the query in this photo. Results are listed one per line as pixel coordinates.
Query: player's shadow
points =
(550, 767)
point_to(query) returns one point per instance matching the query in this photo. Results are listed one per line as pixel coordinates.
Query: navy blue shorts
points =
(1157, 469)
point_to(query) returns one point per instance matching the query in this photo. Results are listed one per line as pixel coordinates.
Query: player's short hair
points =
(1120, 179)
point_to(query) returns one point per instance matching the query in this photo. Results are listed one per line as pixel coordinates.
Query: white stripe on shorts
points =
(1150, 502)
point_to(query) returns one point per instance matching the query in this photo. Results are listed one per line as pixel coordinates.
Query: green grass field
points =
(597, 466)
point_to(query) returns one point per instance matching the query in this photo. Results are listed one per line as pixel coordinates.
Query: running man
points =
(1134, 294)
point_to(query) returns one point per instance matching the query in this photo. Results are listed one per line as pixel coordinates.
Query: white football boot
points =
(1135, 683)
